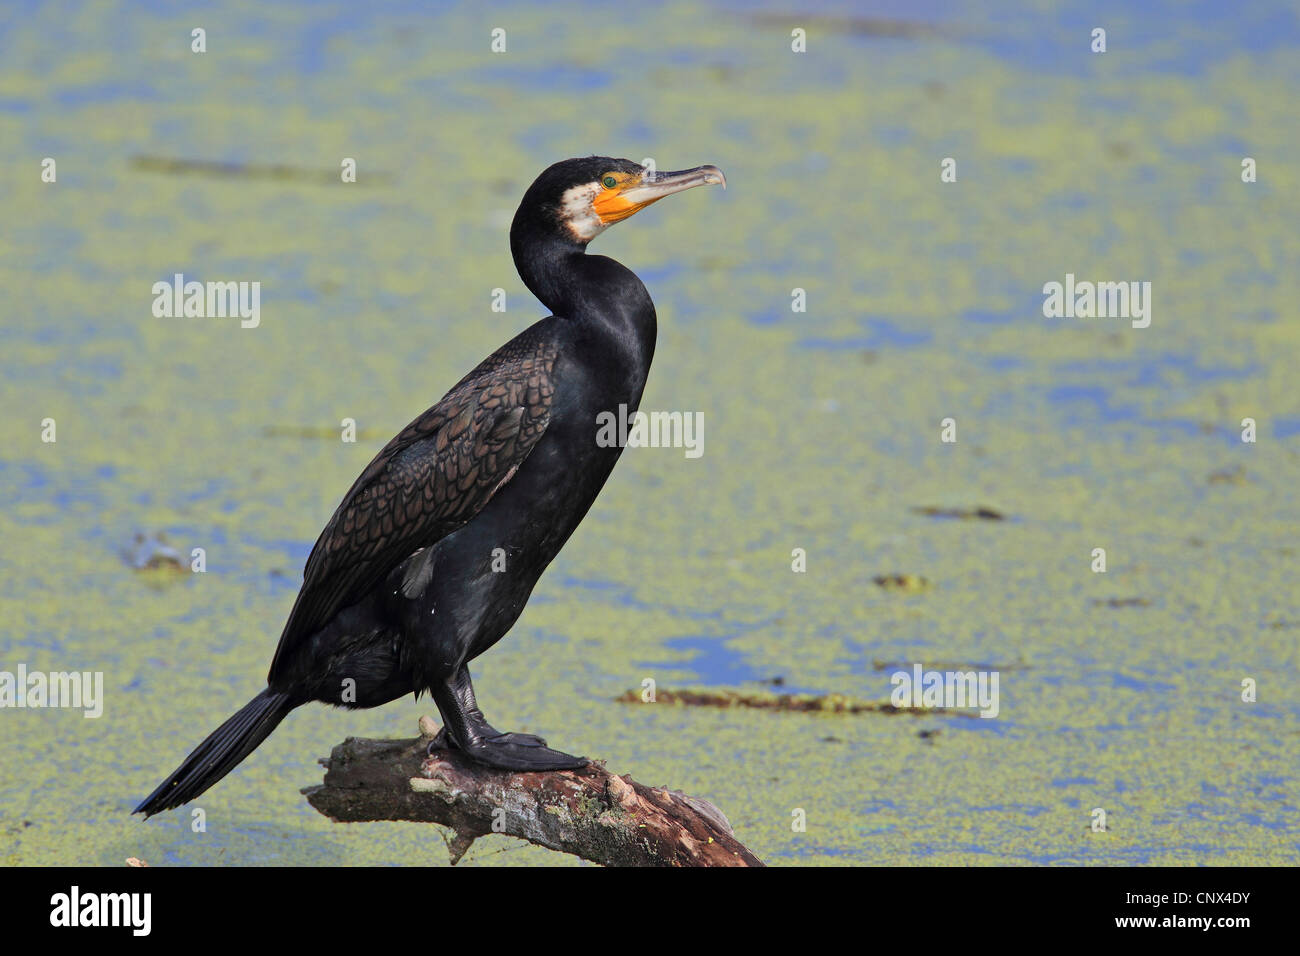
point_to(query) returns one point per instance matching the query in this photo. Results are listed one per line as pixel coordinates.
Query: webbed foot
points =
(443, 742)
(467, 730)
(510, 752)
(504, 754)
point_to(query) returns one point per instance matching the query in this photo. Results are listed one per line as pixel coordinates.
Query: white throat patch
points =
(578, 214)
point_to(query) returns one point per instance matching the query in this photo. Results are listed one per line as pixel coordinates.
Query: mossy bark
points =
(590, 813)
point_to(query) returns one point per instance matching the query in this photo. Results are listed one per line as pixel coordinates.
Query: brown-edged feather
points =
(428, 481)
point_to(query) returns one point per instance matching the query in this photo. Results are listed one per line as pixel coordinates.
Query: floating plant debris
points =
(790, 703)
(964, 514)
(902, 582)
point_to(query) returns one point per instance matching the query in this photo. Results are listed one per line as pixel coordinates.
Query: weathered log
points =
(590, 813)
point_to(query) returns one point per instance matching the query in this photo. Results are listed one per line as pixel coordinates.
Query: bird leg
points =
(463, 688)
(466, 729)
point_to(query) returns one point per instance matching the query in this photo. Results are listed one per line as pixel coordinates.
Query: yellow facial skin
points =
(619, 195)
(611, 203)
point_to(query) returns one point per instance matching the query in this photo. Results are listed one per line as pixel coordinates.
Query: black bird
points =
(406, 584)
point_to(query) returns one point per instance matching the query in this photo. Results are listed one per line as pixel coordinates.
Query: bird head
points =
(581, 198)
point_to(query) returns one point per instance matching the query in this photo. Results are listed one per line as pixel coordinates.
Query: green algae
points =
(376, 299)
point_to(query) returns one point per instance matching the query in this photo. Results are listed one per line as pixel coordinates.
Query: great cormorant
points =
(400, 591)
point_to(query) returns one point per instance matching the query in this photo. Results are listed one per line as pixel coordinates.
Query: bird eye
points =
(609, 182)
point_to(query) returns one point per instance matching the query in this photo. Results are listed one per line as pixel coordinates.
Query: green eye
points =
(610, 182)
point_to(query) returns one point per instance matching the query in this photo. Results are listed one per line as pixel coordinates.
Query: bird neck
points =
(599, 295)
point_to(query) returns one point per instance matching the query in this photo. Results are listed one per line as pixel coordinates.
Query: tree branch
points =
(589, 813)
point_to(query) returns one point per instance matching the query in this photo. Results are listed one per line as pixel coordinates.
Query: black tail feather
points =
(217, 756)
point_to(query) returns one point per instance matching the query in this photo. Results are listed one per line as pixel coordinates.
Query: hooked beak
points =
(615, 205)
(655, 186)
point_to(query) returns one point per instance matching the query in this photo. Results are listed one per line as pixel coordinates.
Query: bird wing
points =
(431, 479)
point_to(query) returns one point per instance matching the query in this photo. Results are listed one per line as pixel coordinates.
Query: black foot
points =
(510, 752)
(442, 742)
(501, 753)
(464, 728)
